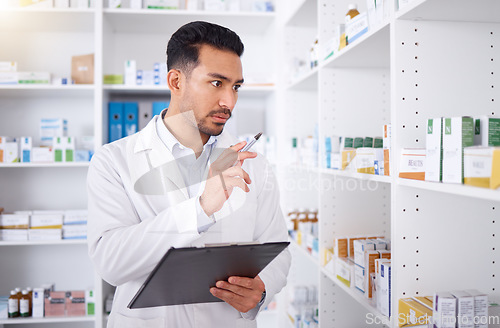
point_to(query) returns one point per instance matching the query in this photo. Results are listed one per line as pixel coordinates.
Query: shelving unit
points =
(113, 36)
(414, 66)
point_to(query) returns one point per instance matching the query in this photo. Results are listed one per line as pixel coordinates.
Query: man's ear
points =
(174, 81)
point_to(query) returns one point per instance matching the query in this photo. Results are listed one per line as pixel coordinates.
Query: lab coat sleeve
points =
(271, 227)
(123, 246)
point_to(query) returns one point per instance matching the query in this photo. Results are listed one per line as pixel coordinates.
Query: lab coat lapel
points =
(157, 163)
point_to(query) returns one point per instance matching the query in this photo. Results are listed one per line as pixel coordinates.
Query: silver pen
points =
(249, 145)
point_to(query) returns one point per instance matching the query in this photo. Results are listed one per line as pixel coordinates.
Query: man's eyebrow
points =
(222, 77)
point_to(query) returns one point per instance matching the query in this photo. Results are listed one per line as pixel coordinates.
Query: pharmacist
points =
(166, 186)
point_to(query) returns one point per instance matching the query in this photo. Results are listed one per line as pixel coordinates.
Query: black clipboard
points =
(185, 275)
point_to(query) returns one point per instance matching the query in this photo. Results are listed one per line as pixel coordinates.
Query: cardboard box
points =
(341, 247)
(359, 278)
(42, 155)
(44, 234)
(425, 301)
(458, 133)
(130, 76)
(480, 308)
(36, 3)
(370, 257)
(9, 78)
(75, 303)
(360, 247)
(50, 128)
(38, 302)
(434, 150)
(13, 234)
(55, 304)
(490, 131)
(384, 291)
(412, 163)
(356, 27)
(75, 217)
(387, 147)
(482, 167)
(412, 313)
(33, 77)
(445, 310)
(365, 159)
(348, 154)
(61, 3)
(343, 269)
(351, 244)
(46, 221)
(9, 150)
(25, 145)
(14, 221)
(74, 231)
(8, 66)
(82, 69)
(465, 309)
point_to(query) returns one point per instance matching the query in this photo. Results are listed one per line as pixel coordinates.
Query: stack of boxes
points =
(43, 225)
(362, 155)
(303, 227)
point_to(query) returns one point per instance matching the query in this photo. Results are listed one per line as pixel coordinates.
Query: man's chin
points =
(215, 131)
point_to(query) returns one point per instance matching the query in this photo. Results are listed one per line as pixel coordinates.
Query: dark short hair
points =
(183, 46)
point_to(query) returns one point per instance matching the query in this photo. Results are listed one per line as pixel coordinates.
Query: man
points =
(168, 186)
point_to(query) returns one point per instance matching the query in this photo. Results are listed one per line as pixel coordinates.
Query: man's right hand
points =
(223, 177)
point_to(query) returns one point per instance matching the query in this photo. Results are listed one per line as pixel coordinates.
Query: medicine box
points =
(25, 145)
(75, 303)
(14, 221)
(46, 220)
(482, 167)
(343, 271)
(33, 77)
(74, 231)
(370, 257)
(8, 66)
(480, 308)
(425, 301)
(13, 234)
(360, 247)
(42, 155)
(75, 217)
(90, 302)
(356, 27)
(359, 278)
(412, 313)
(348, 154)
(465, 309)
(52, 127)
(458, 133)
(434, 150)
(61, 3)
(4, 301)
(490, 131)
(384, 295)
(351, 244)
(365, 160)
(445, 310)
(55, 304)
(341, 247)
(9, 150)
(412, 163)
(130, 72)
(38, 302)
(44, 234)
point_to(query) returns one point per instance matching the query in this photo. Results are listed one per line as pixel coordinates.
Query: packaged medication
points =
(482, 167)
(33, 77)
(75, 217)
(115, 3)
(135, 4)
(356, 27)
(341, 247)
(412, 313)
(360, 247)
(42, 155)
(75, 303)
(9, 150)
(458, 133)
(465, 309)
(13, 234)
(61, 3)
(90, 302)
(55, 304)
(370, 257)
(343, 271)
(445, 310)
(26, 143)
(46, 220)
(14, 221)
(38, 302)
(162, 4)
(351, 241)
(384, 291)
(412, 163)
(8, 78)
(434, 150)
(44, 234)
(130, 72)
(4, 305)
(490, 131)
(50, 128)
(8, 66)
(74, 231)
(480, 308)
(359, 278)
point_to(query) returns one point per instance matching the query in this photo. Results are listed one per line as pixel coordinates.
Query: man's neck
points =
(185, 130)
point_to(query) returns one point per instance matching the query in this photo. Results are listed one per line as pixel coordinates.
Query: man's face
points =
(211, 90)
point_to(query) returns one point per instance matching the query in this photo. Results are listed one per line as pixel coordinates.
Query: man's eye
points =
(236, 87)
(216, 83)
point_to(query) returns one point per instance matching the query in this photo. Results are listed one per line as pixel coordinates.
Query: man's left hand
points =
(241, 293)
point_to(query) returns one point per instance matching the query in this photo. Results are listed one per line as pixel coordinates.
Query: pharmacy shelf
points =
(304, 14)
(23, 321)
(454, 189)
(307, 82)
(246, 90)
(44, 242)
(164, 21)
(355, 175)
(38, 165)
(355, 294)
(304, 252)
(451, 10)
(370, 50)
(46, 90)
(47, 19)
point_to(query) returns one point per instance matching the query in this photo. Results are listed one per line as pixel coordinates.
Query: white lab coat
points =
(129, 231)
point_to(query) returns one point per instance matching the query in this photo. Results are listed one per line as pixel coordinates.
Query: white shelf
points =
(371, 50)
(41, 90)
(454, 189)
(47, 19)
(38, 165)
(246, 90)
(308, 81)
(304, 252)
(44, 242)
(356, 295)
(23, 321)
(355, 175)
(451, 10)
(304, 14)
(167, 21)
